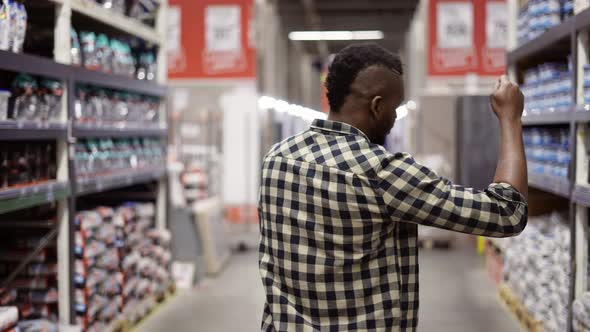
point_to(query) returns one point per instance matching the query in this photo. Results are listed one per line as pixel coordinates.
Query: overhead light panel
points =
(336, 35)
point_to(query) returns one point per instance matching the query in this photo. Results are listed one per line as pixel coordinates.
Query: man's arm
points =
(507, 102)
(414, 193)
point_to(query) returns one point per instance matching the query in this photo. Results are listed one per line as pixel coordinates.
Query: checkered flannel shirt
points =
(338, 222)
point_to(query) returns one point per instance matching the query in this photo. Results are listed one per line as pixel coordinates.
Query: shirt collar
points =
(336, 127)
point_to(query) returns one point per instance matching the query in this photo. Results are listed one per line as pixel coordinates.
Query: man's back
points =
(334, 254)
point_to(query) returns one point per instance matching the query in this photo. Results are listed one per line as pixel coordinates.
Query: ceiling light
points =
(281, 106)
(336, 35)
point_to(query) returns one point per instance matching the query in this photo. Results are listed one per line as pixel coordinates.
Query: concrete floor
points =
(456, 295)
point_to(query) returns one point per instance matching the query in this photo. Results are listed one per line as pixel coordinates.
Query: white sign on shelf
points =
(183, 274)
(496, 24)
(455, 25)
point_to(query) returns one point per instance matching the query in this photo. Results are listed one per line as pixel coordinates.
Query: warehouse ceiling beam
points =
(313, 22)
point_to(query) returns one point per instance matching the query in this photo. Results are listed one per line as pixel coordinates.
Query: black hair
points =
(350, 61)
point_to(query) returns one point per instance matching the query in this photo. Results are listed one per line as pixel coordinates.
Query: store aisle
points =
(231, 302)
(456, 295)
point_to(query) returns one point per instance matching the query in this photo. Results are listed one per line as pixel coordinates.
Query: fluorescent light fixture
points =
(281, 106)
(336, 35)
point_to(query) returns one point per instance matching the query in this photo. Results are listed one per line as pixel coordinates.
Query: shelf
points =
(31, 130)
(29, 196)
(85, 130)
(125, 179)
(120, 22)
(36, 65)
(581, 195)
(546, 41)
(83, 75)
(546, 118)
(552, 184)
(33, 64)
(583, 20)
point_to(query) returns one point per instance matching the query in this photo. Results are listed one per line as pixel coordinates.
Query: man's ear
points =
(376, 105)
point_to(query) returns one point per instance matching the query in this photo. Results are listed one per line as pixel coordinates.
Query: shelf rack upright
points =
(568, 38)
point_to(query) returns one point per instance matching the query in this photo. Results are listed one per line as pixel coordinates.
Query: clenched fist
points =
(507, 100)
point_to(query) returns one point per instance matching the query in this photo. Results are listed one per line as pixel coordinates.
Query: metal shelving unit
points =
(114, 181)
(568, 38)
(552, 184)
(558, 117)
(33, 195)
(83, 131)
(65, 190)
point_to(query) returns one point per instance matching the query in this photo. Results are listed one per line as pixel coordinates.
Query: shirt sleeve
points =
(414, 193)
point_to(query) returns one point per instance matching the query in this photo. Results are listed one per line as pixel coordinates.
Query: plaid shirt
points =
(338, 222)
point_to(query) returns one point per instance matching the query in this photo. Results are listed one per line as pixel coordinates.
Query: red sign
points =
(467, 36)
(214, 39)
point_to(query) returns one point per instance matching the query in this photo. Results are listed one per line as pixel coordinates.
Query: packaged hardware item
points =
(37, 325)
(115, 108)
(547, 150)
(548, 88)
(89, 54)
(537, 16)
(144, 11)
(26, 101)
(26, 163)
(4, 25)
(20, 29)
(4, 98)
(147, 67)
(13, 25)
(104, 53)
(75, 52)
(8, 317)
(51, 93)
(537, 269)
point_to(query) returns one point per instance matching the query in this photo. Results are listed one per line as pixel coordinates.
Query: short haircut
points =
(350, 61)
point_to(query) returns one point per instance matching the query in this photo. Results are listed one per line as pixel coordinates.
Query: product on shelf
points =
(4, 98)
(113, 56)
(13, 25)
(537, 269)
(114, 108)
(548, 88)
(144, 11)
(108, 156)
(538, 16)
(118, 6)
(35, 101)
(121, 260)
(75, 51)
(141, 10)
(547, 150)
(26, 163)
(581, 313)
(8, 318)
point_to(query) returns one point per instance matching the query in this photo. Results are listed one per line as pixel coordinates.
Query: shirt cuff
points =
(506, 192)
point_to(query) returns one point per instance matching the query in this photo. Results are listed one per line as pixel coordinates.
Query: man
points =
(339, 214)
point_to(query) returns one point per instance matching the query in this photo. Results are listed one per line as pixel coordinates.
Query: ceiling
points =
(393, 17)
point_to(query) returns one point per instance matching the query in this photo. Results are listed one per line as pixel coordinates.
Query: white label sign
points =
(223, 28)
(455, 25)
(496, 24)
